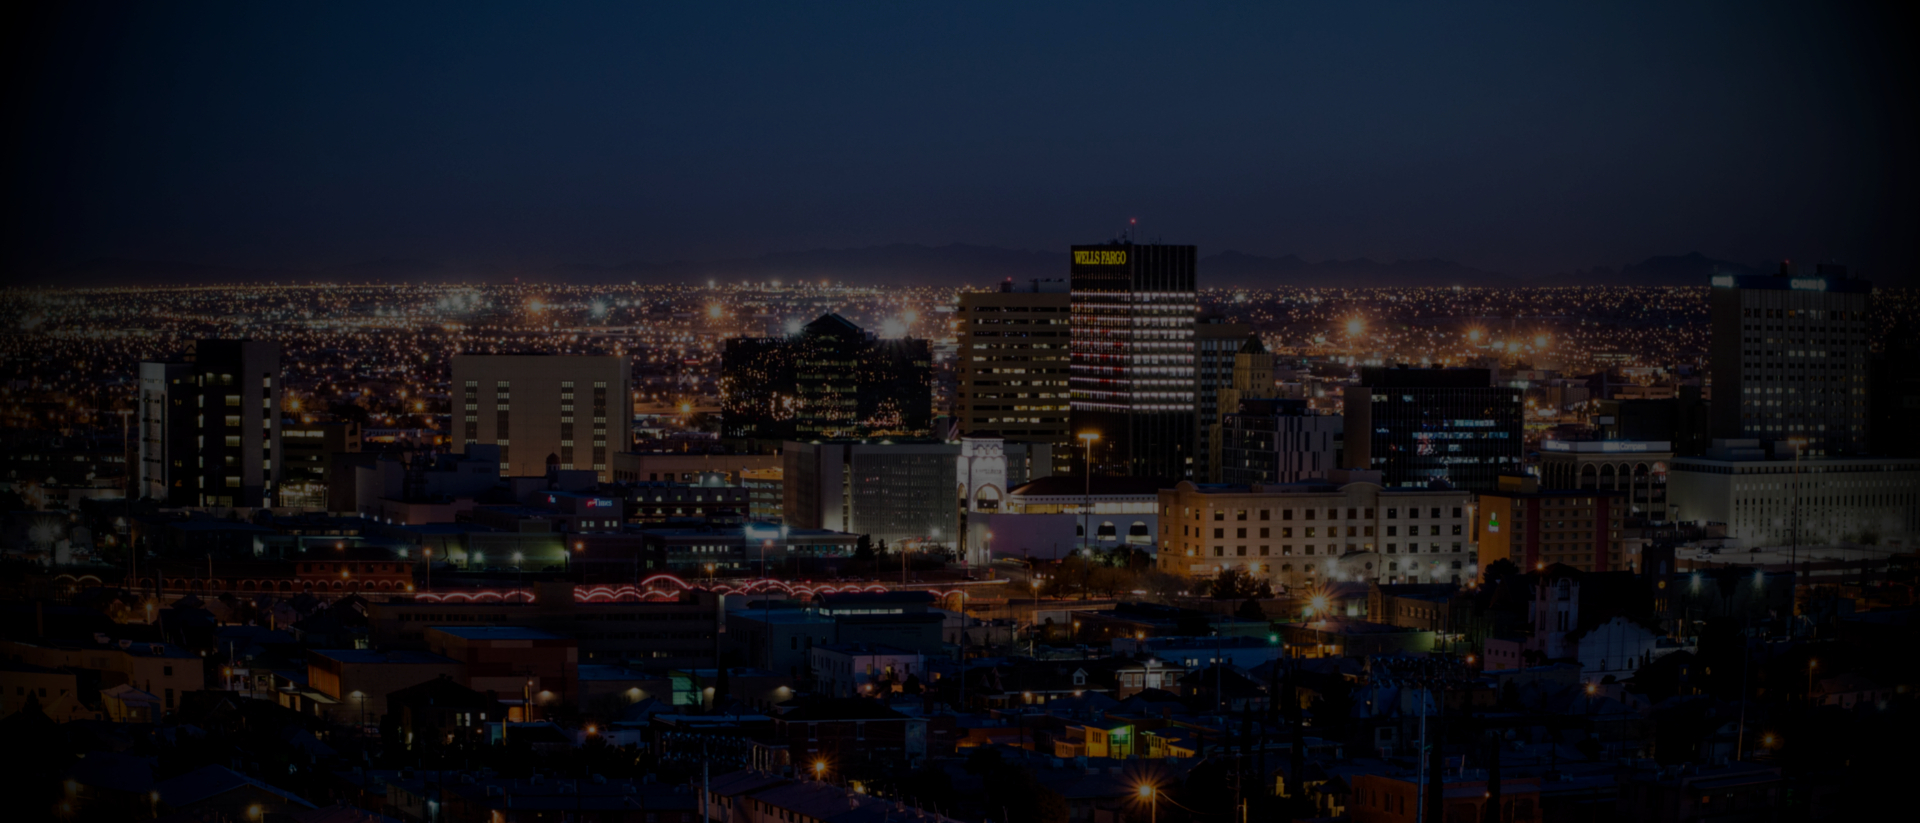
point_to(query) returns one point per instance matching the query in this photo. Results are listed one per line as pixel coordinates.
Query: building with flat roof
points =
(890, 490)
(1309, 534)
(1639, 468)
(1013, 365)
(1276, 440)
(1419, 426)
(210, 427)
(1789, 358)
(356, 682)
(575, 410)
(1767, 497)
(653, 632)
(687, 467)
(511, 660)
(1536, 527)
(1051, 517)
(1132, 357)
(1217, 344)
(1346, 637)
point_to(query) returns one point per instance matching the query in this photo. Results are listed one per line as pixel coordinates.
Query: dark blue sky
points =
(1527, 138)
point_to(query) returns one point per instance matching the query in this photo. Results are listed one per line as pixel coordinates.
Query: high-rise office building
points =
(832, 380)
(210, 427)
(1417, 426)
(1012, 365)
(1133, 357)
(314, 464)
(1789, 359)
(1273, 440)
(1216, 347)
(575, 410)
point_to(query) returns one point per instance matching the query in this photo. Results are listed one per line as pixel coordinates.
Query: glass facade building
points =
(1418, 426)
(1132, 357)
(830, 381)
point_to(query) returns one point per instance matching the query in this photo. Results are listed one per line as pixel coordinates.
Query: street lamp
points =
(1153, 802)
(1086, 505)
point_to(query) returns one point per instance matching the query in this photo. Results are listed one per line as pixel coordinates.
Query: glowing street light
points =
(1355, 326)
(1153, 801)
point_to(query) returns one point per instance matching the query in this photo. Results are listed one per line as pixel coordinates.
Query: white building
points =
(1051, 517)
(1760, 496)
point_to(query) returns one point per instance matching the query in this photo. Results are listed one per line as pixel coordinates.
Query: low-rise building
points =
(1771, 498)
(1302, 535)
(864, 669)
(511, 659)
(356, 682)
(1051, 517)
(1537, 527)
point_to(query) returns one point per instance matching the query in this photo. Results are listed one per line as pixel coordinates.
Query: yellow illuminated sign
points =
(1100, 258)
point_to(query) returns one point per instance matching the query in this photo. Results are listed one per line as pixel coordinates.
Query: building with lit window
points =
(1637, 467)
(1051, 517)
(1344, 528)
(1279, 441)
(1216, 346)
(210, 427)
(1420, 426)
(890, 490)
(1766, 497)
(1789, 358)
(314, 465)
(1538, 527)
(1012, 365)
(575, 409)
(831, 380)
(1133, 357)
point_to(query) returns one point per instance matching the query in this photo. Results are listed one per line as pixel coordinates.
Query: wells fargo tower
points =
(1132, 377)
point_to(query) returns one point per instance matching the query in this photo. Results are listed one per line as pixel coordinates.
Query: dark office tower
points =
(1273, 440)
(830, 381)
(210, 428)
(1133, 357)
(1215, 344)
(1790, 359)
(1012, 365)
(1416, 426)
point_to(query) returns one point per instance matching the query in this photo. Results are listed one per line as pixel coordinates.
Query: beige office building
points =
(1345, 529)
(1012, 367)
(576, 409)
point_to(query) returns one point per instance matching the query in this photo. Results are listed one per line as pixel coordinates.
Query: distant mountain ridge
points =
(897, 264)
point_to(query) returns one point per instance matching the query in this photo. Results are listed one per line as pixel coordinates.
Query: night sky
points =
(1525, 138)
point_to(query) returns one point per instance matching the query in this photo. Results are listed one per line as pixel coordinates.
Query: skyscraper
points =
(832, 380)
(1216, 346)
(1012, 366)
(210, 428)
(574, 409)
(1789, 359)
(1416, 426)
(1133, 357)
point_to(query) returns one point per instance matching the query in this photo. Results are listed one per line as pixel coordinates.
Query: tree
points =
(1250, 610)
(1238, 584)
(863, 549)
(1499, 570)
